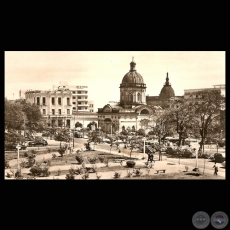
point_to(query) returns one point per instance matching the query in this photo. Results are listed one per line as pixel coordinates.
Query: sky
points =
(103, 71)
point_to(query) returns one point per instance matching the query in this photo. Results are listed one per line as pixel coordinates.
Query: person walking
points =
(215, 169)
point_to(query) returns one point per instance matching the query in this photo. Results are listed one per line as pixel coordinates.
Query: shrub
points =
(116, 175)
(130, 164)
(101, 159)
(8, 175)
(92, 160)
(221, 143)
(35, 170)
(7, 164)
(34, 152)
(79, 159)
(106, 161)
(137, 172)
(54, 155)
(23, 163)
(18, 174)
(61, 151)
(129, 174)
(98, 177)
(40, 171)
(69, 177)
(85, 176)
(59, 172)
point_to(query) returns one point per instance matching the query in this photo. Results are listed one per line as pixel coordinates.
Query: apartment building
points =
(91, 106)
(80, 99)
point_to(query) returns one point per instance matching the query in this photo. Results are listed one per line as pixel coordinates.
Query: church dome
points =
(167, 91)
(132, 77)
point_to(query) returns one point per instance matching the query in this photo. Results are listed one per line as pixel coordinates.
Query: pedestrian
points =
(215, 169)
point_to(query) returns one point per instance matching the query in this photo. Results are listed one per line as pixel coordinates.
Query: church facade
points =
(131, 109)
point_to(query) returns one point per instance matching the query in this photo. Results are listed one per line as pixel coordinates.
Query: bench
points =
(161, 170)
(118, 160)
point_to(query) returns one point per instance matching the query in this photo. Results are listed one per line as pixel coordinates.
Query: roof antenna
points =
(132, 59)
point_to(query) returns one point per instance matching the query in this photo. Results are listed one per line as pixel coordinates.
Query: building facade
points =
(164, 98)
(131, 109)
(58, 107)
(80, 98)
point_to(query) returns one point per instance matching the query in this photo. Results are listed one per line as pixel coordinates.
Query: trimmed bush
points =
(101, 159)
(69, 177)
(39, 171)
(130, 164)
(92, 160)
(79, 158)
(61, 151)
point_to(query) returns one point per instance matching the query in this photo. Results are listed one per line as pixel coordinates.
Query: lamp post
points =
(18, 147)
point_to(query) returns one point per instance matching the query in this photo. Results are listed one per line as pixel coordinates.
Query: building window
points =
(44, 101)
(196, 96)
(78, 92)
(38, 100)
(53, 123)
(53, 111)
(85, 107)
(74, 103)
(68, 123)
(130, 97)
(74, 97)
(68, 111)
(53, 101)
(79, 103)
(78, 97)
(138, 97)
(68, 101)
(59, 111)
(74, 92)
(59, 100)
(79, 108)
(44, 111)
(122, 97)
(74, 108)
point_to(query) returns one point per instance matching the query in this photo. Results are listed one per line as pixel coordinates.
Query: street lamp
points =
(18, 147)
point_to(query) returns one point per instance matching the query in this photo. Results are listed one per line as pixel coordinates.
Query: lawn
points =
(71, 158)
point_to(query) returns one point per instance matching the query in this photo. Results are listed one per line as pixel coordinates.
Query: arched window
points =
(130, 97)
(122, 97)
(126, 97)
(138, 97)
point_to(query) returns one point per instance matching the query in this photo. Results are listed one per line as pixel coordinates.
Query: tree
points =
(181, 115)
(91, 124)
(78, 125)
(209, 113)
(94, 137)
(62, 135)
(133, 129)
(34, 119)
(14, 117)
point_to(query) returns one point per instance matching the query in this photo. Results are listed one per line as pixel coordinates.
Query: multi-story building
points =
(63, 106)
(55, 105)
(79, 96)
(91, 106)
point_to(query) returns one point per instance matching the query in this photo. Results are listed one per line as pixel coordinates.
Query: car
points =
(219, 158)
(37, 142)
(12, 146)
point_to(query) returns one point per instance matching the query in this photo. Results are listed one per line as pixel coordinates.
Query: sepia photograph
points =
(114, 115)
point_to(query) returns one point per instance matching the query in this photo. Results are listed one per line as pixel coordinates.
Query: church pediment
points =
(107, 109)
(144, 109)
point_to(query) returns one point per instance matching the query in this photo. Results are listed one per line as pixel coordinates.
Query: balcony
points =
(82, 94)
(82, 110)
(82, 99)
(81, 105)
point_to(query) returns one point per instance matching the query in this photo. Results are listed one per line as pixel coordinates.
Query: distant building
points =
(91, 106)
(165, 96)
(80, 99)
(132, 108)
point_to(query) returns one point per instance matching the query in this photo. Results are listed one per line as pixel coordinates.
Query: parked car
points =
(219, 158)
(38, 142)
(12, 146)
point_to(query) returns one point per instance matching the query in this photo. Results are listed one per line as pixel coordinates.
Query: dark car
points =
(218, 158)
(12, 146)
(37, 142)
